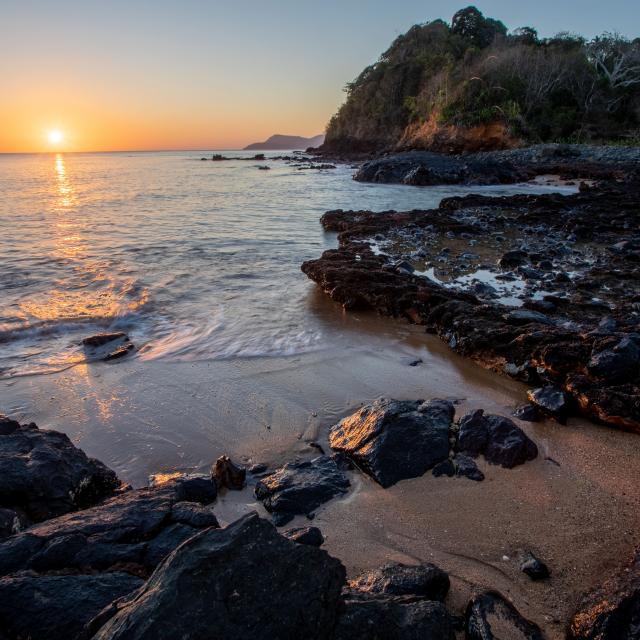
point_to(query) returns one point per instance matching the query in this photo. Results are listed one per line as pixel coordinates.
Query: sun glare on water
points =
(55, 136)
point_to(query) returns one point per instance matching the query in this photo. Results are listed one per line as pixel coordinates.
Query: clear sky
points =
(199, 74)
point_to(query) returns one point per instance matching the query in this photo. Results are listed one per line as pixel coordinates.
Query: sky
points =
(215, 74)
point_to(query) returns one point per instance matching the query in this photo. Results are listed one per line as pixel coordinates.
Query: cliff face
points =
(471, 85)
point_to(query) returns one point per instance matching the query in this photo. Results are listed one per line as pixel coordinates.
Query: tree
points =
(616, 59)
(525, 35)
(471, 24)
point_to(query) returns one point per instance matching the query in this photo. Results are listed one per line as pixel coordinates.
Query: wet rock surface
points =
(611, 611)
(42, 475)
(565, 313)
(244, 579)
(490, 617)
(392, 440)
(299, 488)
(108, 346)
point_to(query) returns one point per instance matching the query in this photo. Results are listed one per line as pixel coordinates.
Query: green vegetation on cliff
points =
(473, 84)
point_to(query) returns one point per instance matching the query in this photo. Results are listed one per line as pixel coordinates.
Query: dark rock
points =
(305, 535)
(212, 587)
(444, 468)
(258, 468)
(611, 611)
(11, 522)
(8, 426)
(415, 363)
(136, 527)
(387, 618)
(467, 468)
(301, 487)
(119, 352)
(101, 339)
(195, 489)
(392, 440)
(227, 474)
(552, 401)
(194, 514)
(534, 567)
(42, 474)
(513, 259)
(165, 542)
(422, 581)
(525, 316)
(57, 607)
(527, 413)
(490, 617)
(618, 363)
(499, 439)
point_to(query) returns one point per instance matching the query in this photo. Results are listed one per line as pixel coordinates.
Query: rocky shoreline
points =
(154, 562)
(545, 289)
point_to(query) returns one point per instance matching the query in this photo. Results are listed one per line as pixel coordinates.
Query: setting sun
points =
(55, 136)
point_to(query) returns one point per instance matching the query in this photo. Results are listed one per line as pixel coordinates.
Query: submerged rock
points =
(499, 439)
(227, 474)
(490, 617)
(58, 607)
(394, 579)
(612, 611)
(305, 535)
(527, 413)
(301, 487)
(101, 339)
(42, 474)
(244, 580)
(393, 440)
(551, 400)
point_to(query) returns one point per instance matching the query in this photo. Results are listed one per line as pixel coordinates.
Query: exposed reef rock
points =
(576, 286)
(225, 473)
(299, 488)
(244, 580)
(42, 475)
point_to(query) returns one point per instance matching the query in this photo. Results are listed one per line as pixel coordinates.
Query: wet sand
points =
(577, 505)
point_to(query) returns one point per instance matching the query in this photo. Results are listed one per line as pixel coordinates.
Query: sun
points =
(55, 136)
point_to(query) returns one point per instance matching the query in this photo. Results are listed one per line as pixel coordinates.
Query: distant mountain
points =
(286, 142)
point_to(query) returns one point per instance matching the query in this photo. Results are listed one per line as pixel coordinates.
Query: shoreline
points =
(575, 505)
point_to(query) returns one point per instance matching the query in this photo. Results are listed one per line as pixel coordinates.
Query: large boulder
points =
(299, 488)
(498, 438)
(426, 581)
(242, 581)
(43, 475)
(138, 528)
(392, 440)
(57, 607)
(612, 611)
(490, 617)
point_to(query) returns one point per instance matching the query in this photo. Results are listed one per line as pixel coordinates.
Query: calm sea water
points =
(195, 260)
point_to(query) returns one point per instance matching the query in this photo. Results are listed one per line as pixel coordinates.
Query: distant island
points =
(286, 142)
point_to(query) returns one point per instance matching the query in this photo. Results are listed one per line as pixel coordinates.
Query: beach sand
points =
(576, 505)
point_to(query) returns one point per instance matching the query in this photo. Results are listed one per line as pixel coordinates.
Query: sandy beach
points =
(576, 505)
